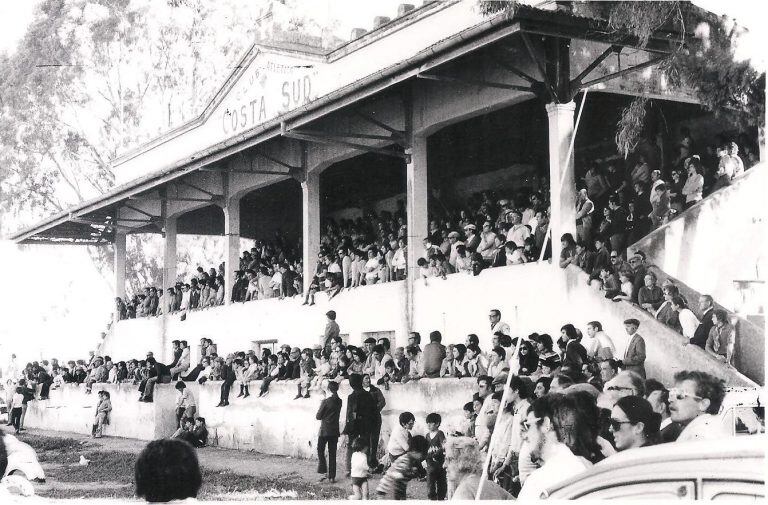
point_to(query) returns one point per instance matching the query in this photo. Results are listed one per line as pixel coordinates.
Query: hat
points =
(317, 347)
(454, 234)
(632, 321)
(470, 227)
(583, 386)
(500, 379)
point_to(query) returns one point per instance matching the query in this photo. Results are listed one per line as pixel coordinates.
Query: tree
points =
(733, 90)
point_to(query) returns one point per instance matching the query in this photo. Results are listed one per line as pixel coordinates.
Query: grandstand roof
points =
(91, 222)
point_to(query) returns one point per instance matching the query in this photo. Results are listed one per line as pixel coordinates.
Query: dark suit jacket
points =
(702, 331)
(361, 410)
(669, 433)
(634, 357)
(575, 355)
(500, 258)
(328, 415)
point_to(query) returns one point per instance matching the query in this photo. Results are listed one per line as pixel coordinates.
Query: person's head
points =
(433, 421)
(519, 389)
(366, 380)
(631, 326)
(331, 314)
(695, 393)
(593, 328)
(608, 369)
(626, 383)
(497, 355)
(417, 447)
(359, 444)
(414, 338)
(544, 343)
(658, 396)
(705, 303)
(462, 458)
(649, 280)
(566, 240)
(368, 344)
(166, 470)
(550, 419)
(435, 336)
(459, 351)
(484, 385)
(568, 332)
(181, 386)
(472, 351)
(332, 387)
(468, 410)
(542, 386)
(494, 315)
(633, 422)
(560, 382)
(407, 420)
(471, 339)
(378, 352)
(719, 317)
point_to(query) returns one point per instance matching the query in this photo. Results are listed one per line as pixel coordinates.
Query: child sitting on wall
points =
(306, 372)
(322, 371)
(276, 364)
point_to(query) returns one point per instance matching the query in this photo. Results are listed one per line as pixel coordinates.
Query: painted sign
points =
(268, 89)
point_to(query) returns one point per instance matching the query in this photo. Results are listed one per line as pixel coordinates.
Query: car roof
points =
(671, 456)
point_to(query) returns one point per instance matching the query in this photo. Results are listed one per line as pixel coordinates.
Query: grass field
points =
(110, 475)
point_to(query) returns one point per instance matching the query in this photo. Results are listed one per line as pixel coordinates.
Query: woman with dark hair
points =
(722, 338)
(693, 189)
(459, 353)
(527, 358)
(568, 253)
(544, 349)
(633, 423)
(167, 469)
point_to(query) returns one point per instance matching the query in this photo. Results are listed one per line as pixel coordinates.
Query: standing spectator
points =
(433, 355)
(16, 407)
(575, 354)
(549, 425)
(361, 412)
(722, 338)
(328, 415)
(568, 253)
(706, 308)
(397, 445)
(185, 403)
(497, 325)
(693, 189)
(103, 409)
(437, 484)
(584, 210)
(634, 356)
(694, 403)
(375, 429)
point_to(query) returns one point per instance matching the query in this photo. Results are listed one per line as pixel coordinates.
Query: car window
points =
(651, 490)
(730, 490)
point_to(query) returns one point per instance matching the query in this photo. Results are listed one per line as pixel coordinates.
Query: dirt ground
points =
(227, 474)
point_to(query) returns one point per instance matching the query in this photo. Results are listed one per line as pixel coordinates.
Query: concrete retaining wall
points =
(71, 409)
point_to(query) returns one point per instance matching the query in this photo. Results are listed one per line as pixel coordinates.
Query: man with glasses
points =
(551, 420)
(694, 403)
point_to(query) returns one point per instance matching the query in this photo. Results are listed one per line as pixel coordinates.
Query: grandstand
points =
(427, 109)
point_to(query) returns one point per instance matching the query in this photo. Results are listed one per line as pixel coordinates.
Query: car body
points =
(732, 468)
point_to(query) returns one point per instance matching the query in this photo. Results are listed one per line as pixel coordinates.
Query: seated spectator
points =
(568, 253)
(650, 296)
(686, 318)
(541, 387)
(658, 396)
(464, 463)
(527, 358)
(166, 470)
(497, 362)
(473, 366)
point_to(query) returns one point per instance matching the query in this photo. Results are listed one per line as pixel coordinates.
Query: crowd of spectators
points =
(574, 393)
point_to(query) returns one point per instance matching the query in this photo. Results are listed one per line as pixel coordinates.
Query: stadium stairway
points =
(709, 247)
(667, 351)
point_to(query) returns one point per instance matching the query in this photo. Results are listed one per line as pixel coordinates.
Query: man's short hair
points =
(485, 378)
(331, 315)
(416, 336)
(435, 336)
(167, 469)
(500, 351)
(520, 385)
(378, 349)
(596, 325)
(473, 339)
(384, 343)
(333, 386)
(614, 364)
(369, 340)
(707, 386)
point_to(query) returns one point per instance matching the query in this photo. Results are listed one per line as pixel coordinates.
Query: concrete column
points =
(231, 245)
(119, 264)
(169, 255)
(562, 181)
(417, 195)
(310, 206)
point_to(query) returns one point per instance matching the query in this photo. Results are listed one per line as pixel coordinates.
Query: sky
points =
(40, 276)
